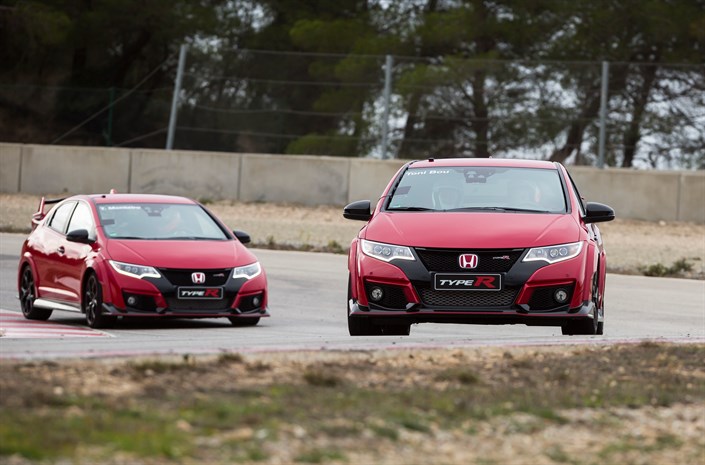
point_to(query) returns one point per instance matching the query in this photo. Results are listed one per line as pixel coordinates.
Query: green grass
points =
(195, 418)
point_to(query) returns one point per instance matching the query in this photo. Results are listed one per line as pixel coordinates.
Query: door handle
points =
(61, 250)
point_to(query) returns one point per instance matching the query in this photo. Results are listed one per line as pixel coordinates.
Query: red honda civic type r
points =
(484, 241)
(135, 255)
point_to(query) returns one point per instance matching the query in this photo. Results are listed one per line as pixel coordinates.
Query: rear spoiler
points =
(40, 214)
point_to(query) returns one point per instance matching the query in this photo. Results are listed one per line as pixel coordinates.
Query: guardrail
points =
(310, 180)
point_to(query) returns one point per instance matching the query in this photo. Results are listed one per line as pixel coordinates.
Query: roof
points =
(138, 198)
(504, 162)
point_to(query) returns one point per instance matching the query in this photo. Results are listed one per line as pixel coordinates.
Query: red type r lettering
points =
(486, 281)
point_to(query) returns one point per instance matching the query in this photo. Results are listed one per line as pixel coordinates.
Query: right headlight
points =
(386, 252)
(554, 253)
(247, 271)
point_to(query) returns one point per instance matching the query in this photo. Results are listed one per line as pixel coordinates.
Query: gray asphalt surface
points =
(307, 303)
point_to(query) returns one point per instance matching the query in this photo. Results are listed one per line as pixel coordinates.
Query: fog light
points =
(561, 296)
(256, 301)
(131, 301)
(376, 294)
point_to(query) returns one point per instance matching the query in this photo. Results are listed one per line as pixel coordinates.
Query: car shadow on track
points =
(73, 319)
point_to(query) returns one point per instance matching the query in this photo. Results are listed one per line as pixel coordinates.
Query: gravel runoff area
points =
(633, 247)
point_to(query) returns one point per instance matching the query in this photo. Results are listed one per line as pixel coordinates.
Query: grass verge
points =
(359, 408)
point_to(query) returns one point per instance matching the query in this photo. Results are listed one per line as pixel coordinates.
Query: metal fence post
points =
(175, 99)
(603, 114)
(387, 95)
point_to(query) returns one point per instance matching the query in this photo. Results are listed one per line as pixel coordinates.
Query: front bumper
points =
(527, 295)
(159, 297)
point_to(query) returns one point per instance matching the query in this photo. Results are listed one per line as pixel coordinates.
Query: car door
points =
(48, 251)
(72, 262)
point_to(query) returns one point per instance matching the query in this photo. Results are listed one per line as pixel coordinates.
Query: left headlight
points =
(386, 252)
(554, 253)
(135, 271)
(247, 271)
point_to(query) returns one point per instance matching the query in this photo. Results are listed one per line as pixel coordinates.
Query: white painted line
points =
(14, 326)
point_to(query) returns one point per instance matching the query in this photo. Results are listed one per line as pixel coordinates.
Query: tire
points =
(396, 330)
(586, 326)
(363, 326)
(28, 295)
(93, 304)
(601, 324)
(358, 326)
(243, 321)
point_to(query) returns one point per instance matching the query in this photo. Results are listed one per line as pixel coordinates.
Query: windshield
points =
(158, 221)
(479, 188)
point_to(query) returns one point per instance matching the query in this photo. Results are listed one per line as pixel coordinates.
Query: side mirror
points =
(359, 210)
(242, 237)
(597, 213)
(78, 235)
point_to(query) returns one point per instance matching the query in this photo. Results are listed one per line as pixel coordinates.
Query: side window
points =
(82, 219)
(61, 216)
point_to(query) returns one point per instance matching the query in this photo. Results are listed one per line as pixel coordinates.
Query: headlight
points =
(386, 252)
(554, 253)
(135, 271)
(247, 271)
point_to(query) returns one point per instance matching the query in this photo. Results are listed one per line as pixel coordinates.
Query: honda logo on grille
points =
(467, 260)
(198, 278)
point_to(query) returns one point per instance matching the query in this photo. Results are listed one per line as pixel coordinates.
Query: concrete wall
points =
(39, 169)
(10, 162)
(646, 195)
(299, 179)
(200, 175)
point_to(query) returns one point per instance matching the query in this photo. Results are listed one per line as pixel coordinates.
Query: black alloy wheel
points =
(28, 296)
(93, 304)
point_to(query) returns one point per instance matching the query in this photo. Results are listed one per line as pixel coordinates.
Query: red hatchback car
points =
(137, 255)
(483, 241)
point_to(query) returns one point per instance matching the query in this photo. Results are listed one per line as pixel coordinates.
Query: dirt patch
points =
(633, 247)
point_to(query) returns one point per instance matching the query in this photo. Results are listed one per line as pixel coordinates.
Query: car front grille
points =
(217, 277)
(489, 261)
(468, 299)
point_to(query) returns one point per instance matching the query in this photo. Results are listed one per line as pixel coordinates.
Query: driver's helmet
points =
(446, 197)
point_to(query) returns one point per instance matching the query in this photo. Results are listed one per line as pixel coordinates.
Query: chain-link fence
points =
(258, 101)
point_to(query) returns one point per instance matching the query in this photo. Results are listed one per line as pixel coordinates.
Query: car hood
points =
(472, 229)
(181, 254)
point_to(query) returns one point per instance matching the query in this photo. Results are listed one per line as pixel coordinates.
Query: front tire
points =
(28, 295)
(93, 304)
(587, 326)
(363, 326)
(243, 321)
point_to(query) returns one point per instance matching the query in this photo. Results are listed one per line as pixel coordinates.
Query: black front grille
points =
(468, 299)
(195, 305)
(183, 277)
(392, 297)
(542, 297)
(489, 261)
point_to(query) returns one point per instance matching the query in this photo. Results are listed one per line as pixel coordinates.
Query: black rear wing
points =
(40, 213)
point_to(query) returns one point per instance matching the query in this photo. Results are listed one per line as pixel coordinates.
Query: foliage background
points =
(469, 77)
